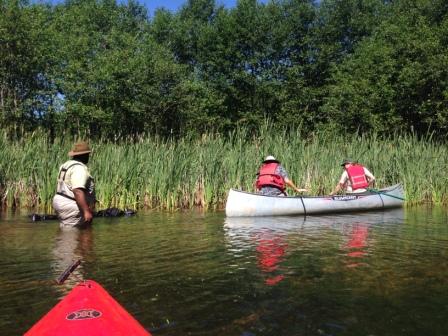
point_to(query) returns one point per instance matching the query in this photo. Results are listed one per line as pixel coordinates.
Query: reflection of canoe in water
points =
(272, 240)
(87, 310)
(242, 204)
(291, 223)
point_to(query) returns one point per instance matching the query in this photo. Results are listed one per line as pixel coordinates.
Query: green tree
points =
(24, 91)
(97, 46)
(396, 79)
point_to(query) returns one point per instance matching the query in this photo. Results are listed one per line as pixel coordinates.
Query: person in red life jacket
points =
(355, 178)
(272, 178)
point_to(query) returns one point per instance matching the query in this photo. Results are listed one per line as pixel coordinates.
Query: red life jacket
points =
(268, 178)
(357, 176)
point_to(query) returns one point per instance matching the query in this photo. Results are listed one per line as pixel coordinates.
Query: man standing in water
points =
(272, 178)
(75, 195)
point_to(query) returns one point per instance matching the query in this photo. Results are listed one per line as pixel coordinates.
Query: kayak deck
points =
(88, 310)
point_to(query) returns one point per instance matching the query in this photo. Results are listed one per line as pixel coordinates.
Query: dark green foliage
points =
(105, 68)
(395, 79)
(23, 86)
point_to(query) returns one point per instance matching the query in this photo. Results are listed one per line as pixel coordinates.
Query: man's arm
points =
(341, 184)
(337, 189)
(292, 185)
(282, 172)
(369, 176)
(81, 200)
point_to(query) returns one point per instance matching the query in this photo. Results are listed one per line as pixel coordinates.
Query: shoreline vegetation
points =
(150, 172)
(215, 89)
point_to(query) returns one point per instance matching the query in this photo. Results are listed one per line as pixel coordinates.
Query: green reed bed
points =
(150, 172)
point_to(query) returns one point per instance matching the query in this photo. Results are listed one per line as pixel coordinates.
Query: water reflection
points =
(293, 223)
(274, 238)
(356, 245)
(203, 274)
(270, 253)
(71, 244)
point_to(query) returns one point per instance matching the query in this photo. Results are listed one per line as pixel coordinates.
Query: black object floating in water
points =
(38, 218)
(109, 212)
(114, 212)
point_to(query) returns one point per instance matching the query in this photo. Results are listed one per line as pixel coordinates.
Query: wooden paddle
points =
(69, 270)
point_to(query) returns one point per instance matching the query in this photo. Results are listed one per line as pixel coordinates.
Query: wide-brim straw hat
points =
(80, 148)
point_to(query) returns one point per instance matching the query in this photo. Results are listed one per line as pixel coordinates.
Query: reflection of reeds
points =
(190, 172)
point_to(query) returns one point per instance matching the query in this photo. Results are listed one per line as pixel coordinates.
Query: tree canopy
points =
(109, 69)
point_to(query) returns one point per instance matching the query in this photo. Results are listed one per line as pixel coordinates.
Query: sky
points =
(152, 5)
(174, 5)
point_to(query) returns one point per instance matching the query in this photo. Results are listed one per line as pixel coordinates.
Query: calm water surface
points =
(381, 273)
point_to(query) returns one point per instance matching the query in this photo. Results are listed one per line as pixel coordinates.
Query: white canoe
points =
(245, 204)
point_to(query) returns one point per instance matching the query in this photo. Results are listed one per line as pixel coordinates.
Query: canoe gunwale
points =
(382, 191)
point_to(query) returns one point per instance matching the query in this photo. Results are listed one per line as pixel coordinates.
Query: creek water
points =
(192, 273)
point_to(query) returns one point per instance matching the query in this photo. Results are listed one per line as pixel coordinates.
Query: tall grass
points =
(198, 172)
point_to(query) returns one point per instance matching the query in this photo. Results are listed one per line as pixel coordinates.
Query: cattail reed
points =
(152, 172)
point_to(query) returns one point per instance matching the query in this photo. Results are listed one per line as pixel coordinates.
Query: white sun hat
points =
(270, 158)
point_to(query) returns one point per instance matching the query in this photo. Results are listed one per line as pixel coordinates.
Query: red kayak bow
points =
(88, 310)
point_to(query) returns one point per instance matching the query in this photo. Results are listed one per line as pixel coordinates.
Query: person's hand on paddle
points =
(293, 186)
